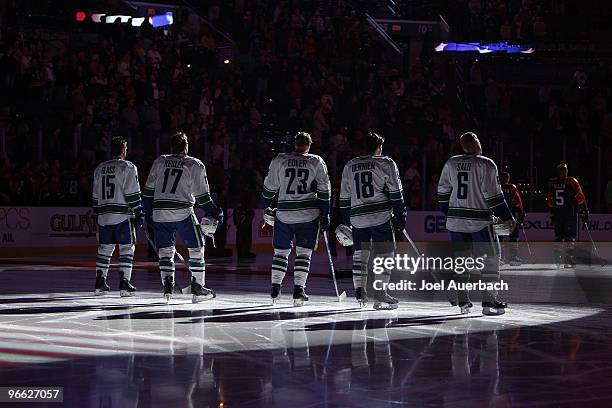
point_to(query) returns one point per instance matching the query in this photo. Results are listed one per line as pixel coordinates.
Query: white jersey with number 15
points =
(115, 187)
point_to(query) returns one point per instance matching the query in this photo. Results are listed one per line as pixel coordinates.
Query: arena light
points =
(440, 47)
(137, 21)
(162, 20)
(97, 17)
(80, 16)
(121, 18)
(485, 48)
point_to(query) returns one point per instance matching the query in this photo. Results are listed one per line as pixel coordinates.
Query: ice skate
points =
(101, 287)
(168, 288)
(496, 308)
(299, 296)
(516, 261)
(466, 307)
(570, 262)
(558, 259)
(125, 287)
(200, 293)
(361, 296)
(492, 305)
(463, 301)
(275, 292)
(384, 301)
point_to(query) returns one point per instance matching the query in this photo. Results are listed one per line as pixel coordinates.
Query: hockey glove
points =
(214, 211)
(584, 216)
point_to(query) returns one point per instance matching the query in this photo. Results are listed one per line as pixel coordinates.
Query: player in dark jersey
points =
(513, 198)
(566, 201)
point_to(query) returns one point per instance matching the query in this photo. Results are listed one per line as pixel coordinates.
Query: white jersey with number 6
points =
(369, 186)
(176, 182)
(301, 181)
(470, 186)
(115, 187)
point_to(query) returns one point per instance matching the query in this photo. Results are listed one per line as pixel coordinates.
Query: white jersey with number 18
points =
(369, 186)
(176, 182)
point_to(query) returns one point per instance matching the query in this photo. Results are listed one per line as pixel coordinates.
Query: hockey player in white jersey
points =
(470, 195)
(177, 182)
(371, 202)
(117, 204)
(300, 181)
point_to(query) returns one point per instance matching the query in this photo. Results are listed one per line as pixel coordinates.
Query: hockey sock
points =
(279, 265)
(360, 264)
(197, 265)
(490, 272)
(386, 274)
(301, 265)
(105, 252)
(166, 262)
(126, 260)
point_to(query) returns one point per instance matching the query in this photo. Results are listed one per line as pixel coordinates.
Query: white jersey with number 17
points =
(176, 182)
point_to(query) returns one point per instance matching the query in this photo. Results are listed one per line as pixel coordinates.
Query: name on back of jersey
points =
(297, 163)
(464, 166)
(363, 166)
(175, 164)
(108, 169)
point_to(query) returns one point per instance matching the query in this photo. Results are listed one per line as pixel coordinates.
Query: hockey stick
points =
(586, 224)
(340, 296)
(527, 242)
(187, 289)
(431, 272)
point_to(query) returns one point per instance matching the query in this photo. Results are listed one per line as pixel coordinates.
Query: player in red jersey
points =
(566, 201)
(513, 198)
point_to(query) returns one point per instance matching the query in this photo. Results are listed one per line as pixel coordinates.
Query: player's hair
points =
(468, 142)
(373, 141)
(504, 176)
(302, 139)
(178, 143)
(117, 145)
(562, 169)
